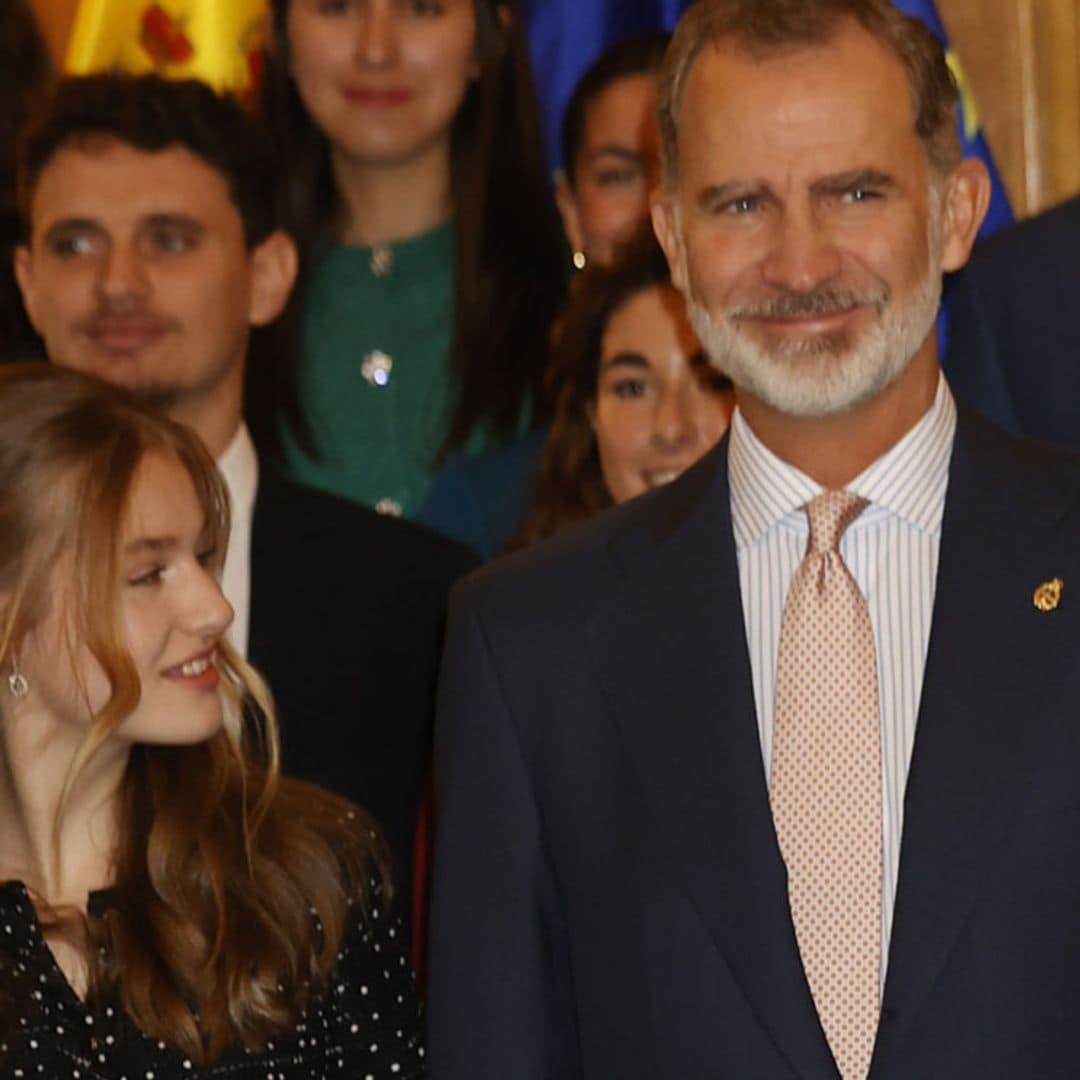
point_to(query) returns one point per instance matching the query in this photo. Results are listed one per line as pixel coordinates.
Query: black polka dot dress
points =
(365, 1026)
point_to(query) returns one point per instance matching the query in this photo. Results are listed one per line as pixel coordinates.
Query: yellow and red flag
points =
(218, 41)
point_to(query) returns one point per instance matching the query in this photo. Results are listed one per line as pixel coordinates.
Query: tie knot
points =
(830, 513)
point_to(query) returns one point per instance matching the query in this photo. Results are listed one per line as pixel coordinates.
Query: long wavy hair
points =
(570, 484)
(232, 885)
(511, 267)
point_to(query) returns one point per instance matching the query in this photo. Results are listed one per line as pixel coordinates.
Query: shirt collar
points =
(908, 480)
(239, 468)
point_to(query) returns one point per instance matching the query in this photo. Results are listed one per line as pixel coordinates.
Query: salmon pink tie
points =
(826, 784)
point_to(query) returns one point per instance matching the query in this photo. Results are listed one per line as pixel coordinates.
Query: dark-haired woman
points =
(611, 149)
(169, 905)
(637, 399)
(433, 261)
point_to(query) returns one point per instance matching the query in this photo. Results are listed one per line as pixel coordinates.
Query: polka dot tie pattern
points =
(826, 784)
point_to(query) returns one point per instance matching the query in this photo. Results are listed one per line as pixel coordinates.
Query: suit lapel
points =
(998, 537)
(691, 728)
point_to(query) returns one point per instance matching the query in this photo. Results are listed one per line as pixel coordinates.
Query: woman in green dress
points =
(433, 261)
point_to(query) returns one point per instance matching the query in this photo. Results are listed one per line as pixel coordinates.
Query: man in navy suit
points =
(611, 899)
(152, 249)
(1014, 338)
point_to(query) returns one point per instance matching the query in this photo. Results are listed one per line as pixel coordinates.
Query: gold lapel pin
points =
(1048, 594)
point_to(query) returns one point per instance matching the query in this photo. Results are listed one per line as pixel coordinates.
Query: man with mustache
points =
(152, 249)
(775, 772)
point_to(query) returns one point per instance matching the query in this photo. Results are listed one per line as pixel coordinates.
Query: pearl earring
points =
(17, 683)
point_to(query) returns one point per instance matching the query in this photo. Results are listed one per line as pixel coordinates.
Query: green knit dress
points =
(375, 379)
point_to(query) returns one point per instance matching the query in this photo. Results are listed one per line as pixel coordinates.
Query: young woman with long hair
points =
(433, 264)
(169, 904)
(637, 401)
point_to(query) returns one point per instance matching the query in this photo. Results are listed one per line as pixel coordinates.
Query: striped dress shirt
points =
(892, 552)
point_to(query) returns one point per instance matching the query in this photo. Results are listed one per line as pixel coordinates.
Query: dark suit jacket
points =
(610, 901)
(1014, 327)
(346, 624)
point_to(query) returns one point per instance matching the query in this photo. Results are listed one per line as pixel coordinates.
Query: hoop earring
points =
(17, 684)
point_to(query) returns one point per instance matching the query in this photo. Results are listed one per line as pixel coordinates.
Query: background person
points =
(152, 248)
(610, 146)
(171, 905)
(610, 149)
(433, 264)
(637, 401)
(1014, 341)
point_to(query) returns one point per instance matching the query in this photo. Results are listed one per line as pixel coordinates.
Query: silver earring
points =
(17, 683)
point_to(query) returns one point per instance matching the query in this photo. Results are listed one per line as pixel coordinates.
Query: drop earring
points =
(17, 683)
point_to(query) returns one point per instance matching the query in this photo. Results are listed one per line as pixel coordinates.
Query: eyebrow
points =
(835, 184)
(182, 221)
(84, 224)
(625, 359)
(151, 543)
(74, 224)
(613, 150)
(853, 178)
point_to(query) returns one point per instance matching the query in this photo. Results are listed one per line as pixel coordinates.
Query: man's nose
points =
(123, 276)
(802, 253)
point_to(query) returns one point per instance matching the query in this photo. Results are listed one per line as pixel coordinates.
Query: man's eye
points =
(73, 245)
(744, 204)
(172, 241)
(862, 194)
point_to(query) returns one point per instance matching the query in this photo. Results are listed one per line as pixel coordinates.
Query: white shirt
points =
(892, 552)
(239, 468)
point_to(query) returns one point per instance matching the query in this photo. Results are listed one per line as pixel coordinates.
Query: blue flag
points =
(567, 35)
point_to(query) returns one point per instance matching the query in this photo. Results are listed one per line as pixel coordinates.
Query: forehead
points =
(163, 500)
(655, 315)
(843, 104)
(622, 112)
(113, 184)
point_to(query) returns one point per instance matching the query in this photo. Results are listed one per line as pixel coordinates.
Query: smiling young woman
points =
(637, 400)
(172, 905)
(433, 265)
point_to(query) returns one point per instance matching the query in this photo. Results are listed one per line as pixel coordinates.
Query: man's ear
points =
(274, 265)
(23, 264)
(665, 222)
(965, 198)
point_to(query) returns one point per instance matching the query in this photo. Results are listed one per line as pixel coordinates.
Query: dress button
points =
(390, 507)
(382, 260)
(376, 367)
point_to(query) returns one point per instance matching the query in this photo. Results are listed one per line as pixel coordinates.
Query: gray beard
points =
(831, 373)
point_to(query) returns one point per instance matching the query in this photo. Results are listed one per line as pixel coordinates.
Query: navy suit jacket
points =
(609, 899)
(1014, 327)
(347, 616)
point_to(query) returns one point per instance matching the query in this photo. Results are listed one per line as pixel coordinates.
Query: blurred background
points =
(1021, 59)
